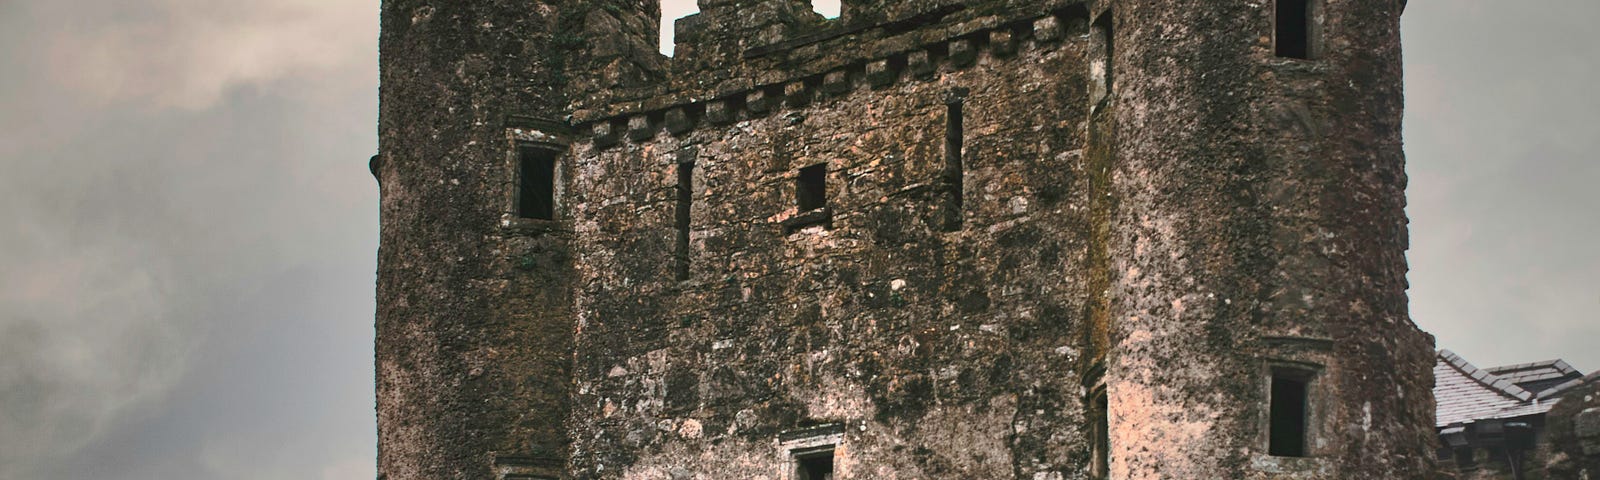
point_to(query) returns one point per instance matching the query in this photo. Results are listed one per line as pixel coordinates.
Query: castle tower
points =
(1043, 239)
(1258, 306)
(475, 316)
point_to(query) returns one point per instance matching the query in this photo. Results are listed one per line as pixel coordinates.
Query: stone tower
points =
(1031, 239)
(475, 323)
(1260, 233)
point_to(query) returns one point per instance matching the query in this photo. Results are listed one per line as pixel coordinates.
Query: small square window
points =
(814, 463)
(811, 188)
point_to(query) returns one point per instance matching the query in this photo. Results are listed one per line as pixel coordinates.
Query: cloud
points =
(160, 158)
(82, 340)
(188, 53)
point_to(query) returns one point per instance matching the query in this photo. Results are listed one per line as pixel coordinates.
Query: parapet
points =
(744, 57)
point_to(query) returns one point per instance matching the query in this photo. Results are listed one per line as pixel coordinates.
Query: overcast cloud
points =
(186, 277)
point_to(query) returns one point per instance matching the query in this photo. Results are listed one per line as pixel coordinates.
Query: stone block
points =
(606, 134)
(881, 74)
(1047, 29)
(678, 121)
(921, 63)
(1002, 43)
(797, 94)
(720, 112)
(837, 82)
(962, 53)
(757, 102)
(640, 128)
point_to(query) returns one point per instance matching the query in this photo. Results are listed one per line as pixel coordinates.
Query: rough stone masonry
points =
(983, 239)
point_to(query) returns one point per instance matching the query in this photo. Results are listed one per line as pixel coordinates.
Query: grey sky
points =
(186, 283)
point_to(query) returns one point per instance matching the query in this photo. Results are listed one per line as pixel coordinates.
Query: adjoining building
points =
(1492, 421)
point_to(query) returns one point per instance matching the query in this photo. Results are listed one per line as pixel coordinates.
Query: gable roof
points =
(1464, 394)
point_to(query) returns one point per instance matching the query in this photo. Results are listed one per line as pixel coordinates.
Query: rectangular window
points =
(1294, 28)
(951, 181)
(811, 188)
(1101, 468)
(814, 463)
(536, 186)
(685, 199)
(1289, 420)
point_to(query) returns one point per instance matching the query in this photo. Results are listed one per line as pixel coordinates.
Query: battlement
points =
(737, 59)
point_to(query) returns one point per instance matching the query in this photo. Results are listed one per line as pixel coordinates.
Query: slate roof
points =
(1465, 394)
(1561, 389)
(1537, 376)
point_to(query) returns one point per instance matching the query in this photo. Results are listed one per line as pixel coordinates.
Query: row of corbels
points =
(961, 52)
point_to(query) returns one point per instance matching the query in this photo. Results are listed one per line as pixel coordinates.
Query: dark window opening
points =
(1294, 28)
(951, 177)
(1104, 26)
(1101, 468)
(811, 188)
(1288, 415)
(814, 464)
(536, 189)
(685, 198)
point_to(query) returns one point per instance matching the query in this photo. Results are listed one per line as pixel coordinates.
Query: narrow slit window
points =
(685, 200)
(1287, 437)
(1103, 25)
(1294, 28)
(1101, 468)
(951, 176)
(536, 186)
(811, 188)
(814, 463)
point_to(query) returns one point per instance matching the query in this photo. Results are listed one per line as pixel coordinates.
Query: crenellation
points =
(798, 88)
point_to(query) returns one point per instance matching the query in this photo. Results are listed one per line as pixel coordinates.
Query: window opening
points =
(1103, 27)
(951, 177)
(811, 188)
(1101, 468)
(814, 463)
(1294, 28)
(1288, 414)
(536, 190)
(685, 199)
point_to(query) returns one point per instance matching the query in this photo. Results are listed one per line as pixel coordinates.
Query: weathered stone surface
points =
(1161, 236)
(1572, 430)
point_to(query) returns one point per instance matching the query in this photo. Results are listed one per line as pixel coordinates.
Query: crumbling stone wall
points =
(1138, 200)
(1573, 435)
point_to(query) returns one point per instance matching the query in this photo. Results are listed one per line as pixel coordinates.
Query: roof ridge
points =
(1484, 377)
(1557, 363)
